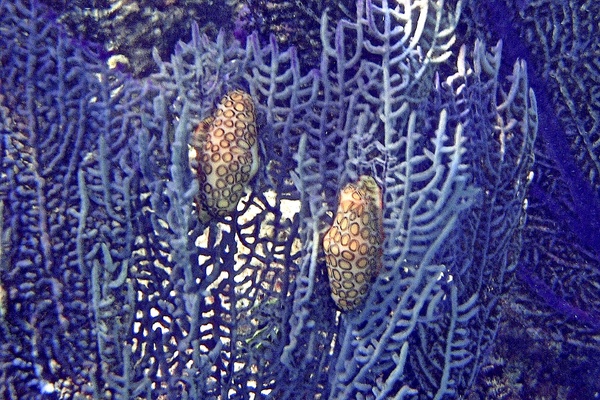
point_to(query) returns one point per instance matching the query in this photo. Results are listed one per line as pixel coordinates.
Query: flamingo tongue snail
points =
(227, 154)
(353, 244)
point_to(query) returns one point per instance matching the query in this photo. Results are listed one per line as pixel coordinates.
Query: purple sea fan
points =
(116, 288)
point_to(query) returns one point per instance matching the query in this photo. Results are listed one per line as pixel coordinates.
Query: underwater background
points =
(143, 257)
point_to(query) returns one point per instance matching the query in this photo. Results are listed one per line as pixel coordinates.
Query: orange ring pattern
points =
(352, 245)
(227, 153)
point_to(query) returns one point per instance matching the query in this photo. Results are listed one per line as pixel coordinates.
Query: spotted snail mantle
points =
(227, 154)
(353, 244)
(226, 145)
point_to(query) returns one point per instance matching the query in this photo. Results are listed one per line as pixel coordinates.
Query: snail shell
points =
(352, 245)
(227, 154)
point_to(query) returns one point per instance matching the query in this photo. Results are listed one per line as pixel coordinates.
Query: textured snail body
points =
(352, 245)
(227, 154)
